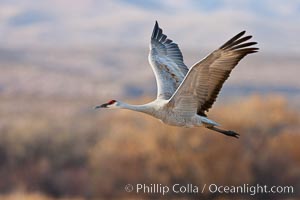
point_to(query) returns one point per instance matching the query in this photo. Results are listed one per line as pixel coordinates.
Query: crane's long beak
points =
(101, 106)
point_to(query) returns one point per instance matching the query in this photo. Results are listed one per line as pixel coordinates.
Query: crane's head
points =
(110, 104)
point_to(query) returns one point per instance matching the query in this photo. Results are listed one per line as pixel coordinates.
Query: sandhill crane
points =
(184, 95)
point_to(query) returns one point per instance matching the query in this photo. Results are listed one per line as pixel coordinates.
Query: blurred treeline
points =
(63, 149)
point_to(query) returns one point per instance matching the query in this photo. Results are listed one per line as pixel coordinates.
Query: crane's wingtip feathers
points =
(243, 32)
(232, 40)
(253, 51)
(155, 30)
(238, 43)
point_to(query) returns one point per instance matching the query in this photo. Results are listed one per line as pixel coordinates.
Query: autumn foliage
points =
(67, 150)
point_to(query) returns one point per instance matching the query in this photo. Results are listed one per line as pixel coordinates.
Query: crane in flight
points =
(185, 95)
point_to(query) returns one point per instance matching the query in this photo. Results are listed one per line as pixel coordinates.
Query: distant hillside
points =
(118, 72)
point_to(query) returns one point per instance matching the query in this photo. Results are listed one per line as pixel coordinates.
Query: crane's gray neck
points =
(146, 108)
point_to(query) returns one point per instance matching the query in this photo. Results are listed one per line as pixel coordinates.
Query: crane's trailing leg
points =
(225, 132)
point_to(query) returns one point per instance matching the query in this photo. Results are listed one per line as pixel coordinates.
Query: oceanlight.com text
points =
(250, 189)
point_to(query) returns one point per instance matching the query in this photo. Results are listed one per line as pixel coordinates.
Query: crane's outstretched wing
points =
(166, 61)
(202, 84)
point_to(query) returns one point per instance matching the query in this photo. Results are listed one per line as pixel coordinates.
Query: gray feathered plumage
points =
(206, 78)
(167, 63)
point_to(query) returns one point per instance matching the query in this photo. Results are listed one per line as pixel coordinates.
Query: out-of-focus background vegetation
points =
(60, 58)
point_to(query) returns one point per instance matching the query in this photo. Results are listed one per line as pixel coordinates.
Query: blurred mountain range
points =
(114, 72)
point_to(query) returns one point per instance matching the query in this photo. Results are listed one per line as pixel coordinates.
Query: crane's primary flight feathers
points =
(167, 63)
(205, 79)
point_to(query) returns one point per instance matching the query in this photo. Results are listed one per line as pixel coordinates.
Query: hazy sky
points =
(275, 24)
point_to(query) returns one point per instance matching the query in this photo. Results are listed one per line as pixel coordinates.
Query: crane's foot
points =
(232, 134)
(228, 133)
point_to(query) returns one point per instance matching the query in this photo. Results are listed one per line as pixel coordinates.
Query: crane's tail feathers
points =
(225, 132)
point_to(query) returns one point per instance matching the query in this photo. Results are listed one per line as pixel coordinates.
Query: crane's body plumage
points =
(165, 112)
(184, 95)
